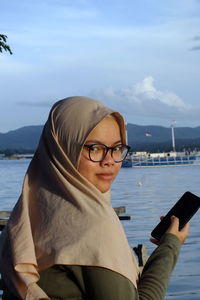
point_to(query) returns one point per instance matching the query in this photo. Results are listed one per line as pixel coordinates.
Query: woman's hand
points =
(174, 229)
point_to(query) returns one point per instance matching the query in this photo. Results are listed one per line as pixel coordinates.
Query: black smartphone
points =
(184, 209)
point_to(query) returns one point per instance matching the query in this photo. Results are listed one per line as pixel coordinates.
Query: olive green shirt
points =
(62, 282)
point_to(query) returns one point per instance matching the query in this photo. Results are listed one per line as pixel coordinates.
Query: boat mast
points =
(173, 138)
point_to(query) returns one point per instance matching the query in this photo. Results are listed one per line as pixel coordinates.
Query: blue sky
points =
(140, 57)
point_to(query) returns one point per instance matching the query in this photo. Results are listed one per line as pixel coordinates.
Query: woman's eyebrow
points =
(93, 141)
(99, 142)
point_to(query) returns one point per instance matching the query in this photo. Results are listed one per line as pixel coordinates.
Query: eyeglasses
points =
(98, 152)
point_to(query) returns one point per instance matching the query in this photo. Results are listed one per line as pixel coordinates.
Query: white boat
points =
(159, 161)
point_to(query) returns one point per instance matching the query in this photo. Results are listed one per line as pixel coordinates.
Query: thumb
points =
(174, 229)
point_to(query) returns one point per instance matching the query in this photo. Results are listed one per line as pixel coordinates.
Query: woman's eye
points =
(94, 148)
(117, 148)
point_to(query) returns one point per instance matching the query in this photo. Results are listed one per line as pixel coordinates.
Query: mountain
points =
(158, 138)
(25, 138)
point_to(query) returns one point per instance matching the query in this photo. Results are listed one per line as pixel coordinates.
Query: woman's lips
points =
(105, 176)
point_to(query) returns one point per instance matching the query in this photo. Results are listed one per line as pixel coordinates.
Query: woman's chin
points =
(104, 188)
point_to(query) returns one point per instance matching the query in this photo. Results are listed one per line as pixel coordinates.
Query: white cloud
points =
(143, 102)
(143, 92)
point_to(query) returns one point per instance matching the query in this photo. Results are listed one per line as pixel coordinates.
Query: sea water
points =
(147, 194)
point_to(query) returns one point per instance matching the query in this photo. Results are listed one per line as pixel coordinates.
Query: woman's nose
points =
(108, 159)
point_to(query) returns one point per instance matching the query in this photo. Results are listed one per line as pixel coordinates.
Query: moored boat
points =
(160, 159)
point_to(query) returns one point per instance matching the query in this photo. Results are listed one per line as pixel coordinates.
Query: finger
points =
(174, 226)
(154, 241)
(174, 222)
(186, 228)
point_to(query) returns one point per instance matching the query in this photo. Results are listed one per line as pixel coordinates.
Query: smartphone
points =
(184, 209)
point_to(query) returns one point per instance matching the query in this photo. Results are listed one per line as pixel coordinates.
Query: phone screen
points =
(184, 209)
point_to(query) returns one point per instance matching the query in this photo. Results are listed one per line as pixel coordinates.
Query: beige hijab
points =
(60, 217)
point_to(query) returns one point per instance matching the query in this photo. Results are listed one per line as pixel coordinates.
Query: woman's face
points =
(101, 174)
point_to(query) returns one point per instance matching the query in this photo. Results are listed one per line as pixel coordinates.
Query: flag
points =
(148, 133)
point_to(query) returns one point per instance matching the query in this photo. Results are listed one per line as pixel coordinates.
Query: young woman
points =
(63, 239)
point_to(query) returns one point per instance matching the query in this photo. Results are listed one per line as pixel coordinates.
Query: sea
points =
(147, 193)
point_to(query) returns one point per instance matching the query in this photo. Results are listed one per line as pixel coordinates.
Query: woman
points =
(64, 240)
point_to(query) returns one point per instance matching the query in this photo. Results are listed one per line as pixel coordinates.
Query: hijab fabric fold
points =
(60, 217)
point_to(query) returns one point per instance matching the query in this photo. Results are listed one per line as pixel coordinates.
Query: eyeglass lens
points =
(98, 152)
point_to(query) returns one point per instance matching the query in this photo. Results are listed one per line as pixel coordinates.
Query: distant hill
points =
(159, 138)
(27, 138)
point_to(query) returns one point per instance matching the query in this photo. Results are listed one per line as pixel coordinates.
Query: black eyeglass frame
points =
(106, 151)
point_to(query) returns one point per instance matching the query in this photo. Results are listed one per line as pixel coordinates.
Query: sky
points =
(139, 57)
